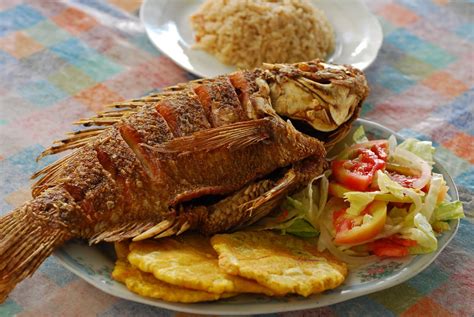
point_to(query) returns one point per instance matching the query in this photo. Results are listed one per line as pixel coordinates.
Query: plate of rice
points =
(214, 37)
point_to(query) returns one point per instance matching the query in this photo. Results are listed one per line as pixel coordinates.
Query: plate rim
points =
(285, 307)
(374, 22)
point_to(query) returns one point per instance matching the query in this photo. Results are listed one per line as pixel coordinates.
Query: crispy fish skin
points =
(144, 166)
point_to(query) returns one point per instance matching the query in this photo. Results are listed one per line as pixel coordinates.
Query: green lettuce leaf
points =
(423, 234)
(448, 211)
(431, 198)
(300, 212)
(359, 135)
(389, 186)
(423, 149)
(358, 201)
(302, 228)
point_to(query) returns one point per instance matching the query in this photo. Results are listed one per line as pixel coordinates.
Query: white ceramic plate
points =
(358, 34)
(95, 264)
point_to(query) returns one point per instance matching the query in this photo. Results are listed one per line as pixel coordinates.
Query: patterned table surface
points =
(62, 60)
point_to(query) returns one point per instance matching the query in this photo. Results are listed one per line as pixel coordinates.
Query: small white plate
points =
(95, 264)
(358, 34)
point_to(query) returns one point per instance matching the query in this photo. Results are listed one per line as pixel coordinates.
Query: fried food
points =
(122, 249)
(285, 264)
(146, 284)
(141, 167)
(189, 261)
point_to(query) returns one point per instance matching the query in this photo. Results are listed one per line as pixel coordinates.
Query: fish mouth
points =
(307, 129)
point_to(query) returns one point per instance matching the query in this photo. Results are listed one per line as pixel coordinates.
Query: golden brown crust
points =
(115, 186)
(146, 284)
(223, 171)
(183, 113)
(148, 126)
(245, 85)
(285, 264)
(220, 101)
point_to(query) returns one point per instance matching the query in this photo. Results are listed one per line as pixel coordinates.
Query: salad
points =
(378, 199)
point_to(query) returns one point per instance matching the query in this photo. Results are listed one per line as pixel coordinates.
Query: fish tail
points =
(27, 237)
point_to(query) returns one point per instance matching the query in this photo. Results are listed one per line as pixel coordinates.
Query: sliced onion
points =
(312, 213)
(323, 196)
(418, 163)
(415, 198)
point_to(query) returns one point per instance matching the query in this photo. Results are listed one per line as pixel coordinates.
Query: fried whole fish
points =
(211, 155)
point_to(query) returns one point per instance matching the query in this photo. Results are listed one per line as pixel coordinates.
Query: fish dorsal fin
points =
(50, 174)
(94, 126)
(232, 137)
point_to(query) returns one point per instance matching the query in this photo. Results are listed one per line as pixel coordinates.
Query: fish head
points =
(325, 97)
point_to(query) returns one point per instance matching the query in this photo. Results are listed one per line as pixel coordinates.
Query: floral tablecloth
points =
(62, 60)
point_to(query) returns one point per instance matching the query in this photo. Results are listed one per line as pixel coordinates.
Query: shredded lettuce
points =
(359, 135)
(396, 212)
(387, 185)
(358, 201)
(323, 198)
(299, 214)
(302, 228)
(296, 204)
(422, 149)
(422, 233)
(448, 210)
(409, 219)
(431, 198)
(390, 191)
(413, 214)
(397, 215)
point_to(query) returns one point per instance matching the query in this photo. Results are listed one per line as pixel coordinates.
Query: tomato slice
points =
(353, 230)
(405, 242)
(393, 246)
(359, 163)
(342, 223)
(404, 180)
(379, 147)
(389, 250)
(357, 174)
(343, 174)
(338, 190)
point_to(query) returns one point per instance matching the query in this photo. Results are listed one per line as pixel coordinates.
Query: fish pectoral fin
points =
(301, 173)
(233, 136)
(178, 222)
(126, 230)
(156, 229)
(264, 204)
(248, 205)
